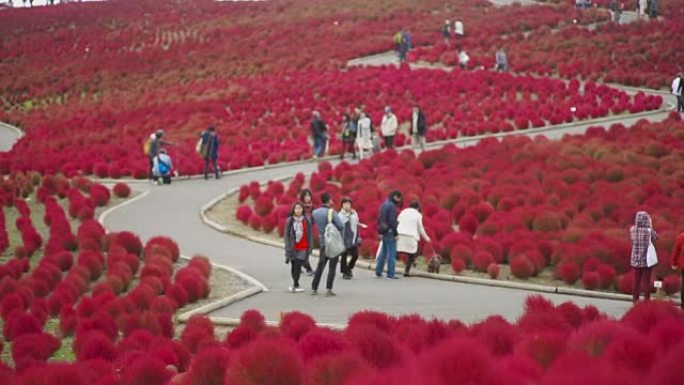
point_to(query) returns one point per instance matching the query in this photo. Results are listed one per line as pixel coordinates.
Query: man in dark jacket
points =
(418, 127)
(320, 218)
(209, 151)
(387, 228)
(319, 134)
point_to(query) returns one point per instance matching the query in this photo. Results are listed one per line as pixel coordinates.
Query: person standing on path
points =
(410, 230)
(298, 243)
(678, 261)
(615, 11)
(418, 127)
(320, 217)
(348, 135)
(209, 151)
(306, 199)
(459, 29)
(387, 229)
(653, 9)
(501, 60)
(642, 234)
(678, 91)
(446, 32)
(388, 127)
(153, 147)
(405, 45)
(463, 58)
(352, 240)
(364, 135)
(319, 134)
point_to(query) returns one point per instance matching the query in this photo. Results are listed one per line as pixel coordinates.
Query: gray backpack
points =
(334, 244)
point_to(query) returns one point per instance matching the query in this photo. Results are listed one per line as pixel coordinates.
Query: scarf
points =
(298, 227)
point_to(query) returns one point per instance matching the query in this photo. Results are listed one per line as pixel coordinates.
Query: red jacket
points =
(678, 252)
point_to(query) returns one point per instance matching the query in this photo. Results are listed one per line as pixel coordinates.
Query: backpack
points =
(398, 38)
(334, 244)
(198, 146)
(163, 166)
(147, 147)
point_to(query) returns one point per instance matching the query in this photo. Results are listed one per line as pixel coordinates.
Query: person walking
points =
(678, 261)
(364, 135)
(405, 45)
(352, 239)
(398, 38)
(348, 134)
(418, 127)
(501, 60)
(678, 91)
(410, 230)
(209, 151)
(641, 234)
(615, 11)
(306, 199)
(298, 243)
(319, 134)
(653, 9)
(388, 127)
(641, 7)
(322, 216)
(387, 229)
(446, 32)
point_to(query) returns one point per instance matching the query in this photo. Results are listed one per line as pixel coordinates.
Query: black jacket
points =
(387, 220)
(421, 128)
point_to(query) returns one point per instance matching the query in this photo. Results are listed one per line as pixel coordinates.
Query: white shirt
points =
(675, 86)
(389, 125)
(414, 123)
(463, 58)
(458, 28)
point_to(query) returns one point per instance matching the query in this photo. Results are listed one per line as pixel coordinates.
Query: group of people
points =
(402, 44)
(161, 165)
(648, 7)
(399, 234)
(463, 58)
(458, 31)
(358, 134)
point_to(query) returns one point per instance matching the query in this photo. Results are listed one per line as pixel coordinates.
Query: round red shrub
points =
(121, 190)
(591, 280)
(266, 362)
(375, 346)
(263, 205)
(162, 245)
(606, 276)
(198, 328)
(34, 346)
(100, 194)
(672, 284)
(129, 241)
(177, 293)
(253, 319)
(457, 265)
(569, 272)
(94, 345)
(493, 271)
(21, 323)
(522, 267)
(468, 224)
(482, 260)
(240, 336)
(243, 213)
(209, 367)
(295, 325)
(146, 370)
(457, 361)
(320, 342)
(202, 264)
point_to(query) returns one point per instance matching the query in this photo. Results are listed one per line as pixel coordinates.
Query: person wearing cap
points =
(388, 127)
(350, 234)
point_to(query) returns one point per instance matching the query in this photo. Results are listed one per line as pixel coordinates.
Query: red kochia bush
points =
(146, 370)
(100, 194)
(35, 347)
(672, 284)
(202, 264)
(591, 280)
(243, 213)
(20, 323)
(320, 342)
(569, 272)
(128, 241)
(121, 190)
(209, 367)
(94, 345)
(457, 361)
(493, 271)
(265, 362)
(198, 329)
(163, 245)
(295, 325)
(240, 336)
(521, 267)
(379, 349)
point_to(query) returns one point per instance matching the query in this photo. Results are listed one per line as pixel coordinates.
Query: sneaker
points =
(330, 293)
(310, 273)
(406, 274)
(378, 275)
(314, 292)
(393, 277)
(346, 276)
(291, 289)
(298, 290)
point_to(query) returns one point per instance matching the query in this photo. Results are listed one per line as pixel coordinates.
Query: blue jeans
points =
(319, 145)
(388, 252)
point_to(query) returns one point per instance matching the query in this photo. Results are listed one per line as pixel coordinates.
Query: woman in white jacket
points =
(388, 127)
(410, 231)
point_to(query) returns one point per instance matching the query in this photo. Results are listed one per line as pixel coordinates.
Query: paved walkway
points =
(8, 136)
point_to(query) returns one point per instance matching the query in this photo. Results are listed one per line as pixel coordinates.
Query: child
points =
(298, 243)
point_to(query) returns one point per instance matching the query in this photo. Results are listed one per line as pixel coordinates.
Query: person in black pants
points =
(209, 151)
(298, 243)
(322, 216)
(351, 237)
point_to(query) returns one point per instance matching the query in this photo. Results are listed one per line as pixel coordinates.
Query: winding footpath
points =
(174, 211)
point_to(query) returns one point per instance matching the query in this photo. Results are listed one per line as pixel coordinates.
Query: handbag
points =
(651, 255)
